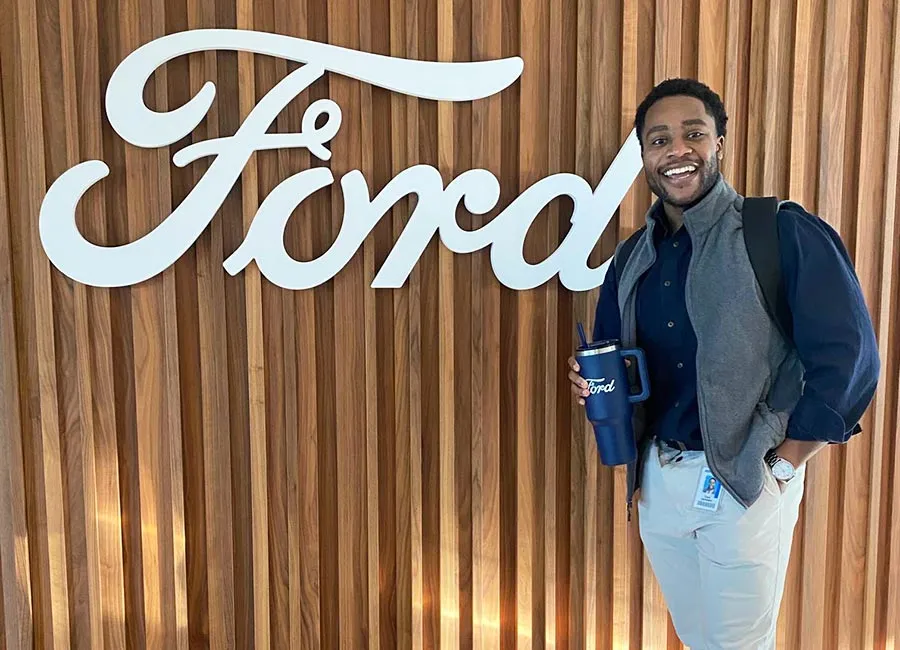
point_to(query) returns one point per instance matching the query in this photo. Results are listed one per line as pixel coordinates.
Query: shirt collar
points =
(702, 216)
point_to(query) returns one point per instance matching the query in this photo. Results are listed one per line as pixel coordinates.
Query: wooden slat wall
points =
(212, 461)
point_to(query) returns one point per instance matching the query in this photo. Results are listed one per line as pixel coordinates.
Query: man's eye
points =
(658, 142)
(696, 134)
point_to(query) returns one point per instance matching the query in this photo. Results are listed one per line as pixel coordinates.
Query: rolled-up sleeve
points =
(832, 330)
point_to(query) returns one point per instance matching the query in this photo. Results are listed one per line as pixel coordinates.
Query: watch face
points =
(783, 470)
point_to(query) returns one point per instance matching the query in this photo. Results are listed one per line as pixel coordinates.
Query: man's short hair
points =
(681, 87)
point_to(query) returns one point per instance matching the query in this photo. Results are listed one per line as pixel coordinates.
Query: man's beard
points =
(709, 174)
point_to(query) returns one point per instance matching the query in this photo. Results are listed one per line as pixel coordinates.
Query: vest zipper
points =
(633, 475)
(701, 406)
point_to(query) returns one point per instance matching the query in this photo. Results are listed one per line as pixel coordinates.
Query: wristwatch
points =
(782, 469)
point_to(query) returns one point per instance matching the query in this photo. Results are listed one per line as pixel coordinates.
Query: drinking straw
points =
(581, 335)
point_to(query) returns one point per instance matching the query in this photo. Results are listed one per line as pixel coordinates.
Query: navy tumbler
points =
(609, 405)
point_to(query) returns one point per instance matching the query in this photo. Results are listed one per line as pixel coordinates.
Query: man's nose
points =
(678, 148)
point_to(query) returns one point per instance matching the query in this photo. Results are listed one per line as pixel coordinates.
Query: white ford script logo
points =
(435, 212)
(596, 386)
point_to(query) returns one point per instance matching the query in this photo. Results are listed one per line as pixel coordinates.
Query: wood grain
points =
(98, 339)
(76, 390)
(888, 415)
(15, 574)
(735, 97)
(211, 461)
(44, 465)
(868, 469)
(449, 609)
(486, 154)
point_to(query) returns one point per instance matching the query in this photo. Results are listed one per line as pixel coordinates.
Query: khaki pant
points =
(722, 573)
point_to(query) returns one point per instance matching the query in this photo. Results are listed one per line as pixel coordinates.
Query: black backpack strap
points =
(760, 217)
(626, 249)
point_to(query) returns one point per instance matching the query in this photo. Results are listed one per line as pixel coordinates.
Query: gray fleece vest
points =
(748, 378)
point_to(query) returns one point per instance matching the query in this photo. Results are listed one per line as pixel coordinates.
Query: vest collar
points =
(702, 216)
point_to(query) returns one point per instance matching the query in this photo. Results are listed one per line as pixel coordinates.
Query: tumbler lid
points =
(598, 347)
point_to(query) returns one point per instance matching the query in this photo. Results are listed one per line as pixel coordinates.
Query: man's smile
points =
(678, 175)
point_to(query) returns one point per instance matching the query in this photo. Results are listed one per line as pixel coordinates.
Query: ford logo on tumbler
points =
(609, 404)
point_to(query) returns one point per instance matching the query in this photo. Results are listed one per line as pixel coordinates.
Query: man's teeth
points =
(680, 170)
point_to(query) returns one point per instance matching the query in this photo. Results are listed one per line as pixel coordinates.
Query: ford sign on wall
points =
(478, 189)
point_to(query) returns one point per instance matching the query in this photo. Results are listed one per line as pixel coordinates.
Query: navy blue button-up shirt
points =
(832, 330)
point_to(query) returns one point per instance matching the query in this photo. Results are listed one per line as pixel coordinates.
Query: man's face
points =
(680, 150)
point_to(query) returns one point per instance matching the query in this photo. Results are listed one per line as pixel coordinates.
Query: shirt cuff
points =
(814, 421)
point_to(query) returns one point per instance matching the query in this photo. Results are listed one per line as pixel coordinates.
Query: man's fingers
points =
(579, 385)
(576, 379)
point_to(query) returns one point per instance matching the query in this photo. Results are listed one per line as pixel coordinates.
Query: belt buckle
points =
(671, 451)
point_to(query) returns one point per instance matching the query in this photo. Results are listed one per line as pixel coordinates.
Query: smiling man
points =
(741, 393)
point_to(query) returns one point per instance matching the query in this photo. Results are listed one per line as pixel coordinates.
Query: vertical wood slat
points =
(871, 200)
(449, 531)
(416, 482)
(806, 96)
(633, 64)
(144, 313)
(79, 439)
(560, 138)
(856, 494)
(156, 381)
(99, 341)
(486, 154)
(776, 121)
(174, 566)
(711, 45)
(208, 458)
(409, 602)
(887, 415)
(343, 28)
(735, 95)
(303, 518)
(214, 464)
(275, 334)
(757, 153)
(875, 115)
(533, 163)
(15, 572)
(805, 187)
(298, 319)
(831, 200)
(464, 363)
(255, 363)
(806, 81)
(47, 527)
(593, 591)
(436, 350)
(367, 156)
(668, 39)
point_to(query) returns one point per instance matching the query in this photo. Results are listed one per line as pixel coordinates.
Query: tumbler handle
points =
(641, 360)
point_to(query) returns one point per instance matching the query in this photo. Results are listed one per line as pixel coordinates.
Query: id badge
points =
(709, 492)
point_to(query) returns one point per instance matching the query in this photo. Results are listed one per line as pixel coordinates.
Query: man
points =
(732, 398)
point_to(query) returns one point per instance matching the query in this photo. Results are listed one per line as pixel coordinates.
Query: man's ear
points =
(720, 147)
